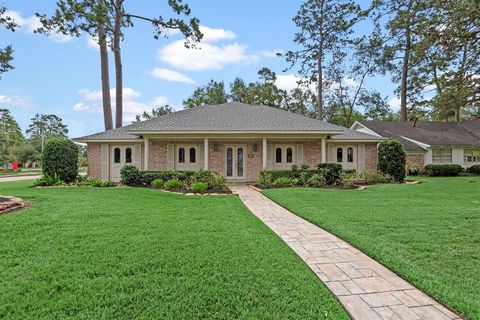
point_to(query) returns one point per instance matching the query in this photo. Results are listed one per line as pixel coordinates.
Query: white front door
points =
(235, 162)
(120, 156)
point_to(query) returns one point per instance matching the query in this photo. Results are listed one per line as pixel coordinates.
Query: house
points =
(431, 142)
(234, 139)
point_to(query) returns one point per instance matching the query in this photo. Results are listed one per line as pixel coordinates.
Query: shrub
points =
(283, 182)
(304, 167)
(157, 183)
(475, 169)
(413, 171)
(199, 187)
(173, 184)
(146, 177)
(60, 157)
(316, 180)
(205, 176)
(130, 175)
(348, 178)
(265, 179)
(375, 177)
(331, 172)
(99, 183)
(392, 159)
(443, 170)
(47, 181)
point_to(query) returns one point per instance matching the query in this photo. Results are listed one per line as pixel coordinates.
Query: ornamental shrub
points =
(173, 184)
(60, 157)
(48, 181)
(443, 170)
(199, 187)
(375, 177)
(283, 182)
(348, 178)
(475, 169)
(130, 175)
(332, 172)
(157, 183)
(316, 180)
(392, 159)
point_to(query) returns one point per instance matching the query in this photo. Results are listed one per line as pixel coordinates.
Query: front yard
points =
(427, 233)
(130, 253)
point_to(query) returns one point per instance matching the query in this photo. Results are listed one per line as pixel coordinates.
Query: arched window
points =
(181, 155)
(128, 155)
(193, 154)
(116, 155)
(289, 155)
(339, 155)
(350, 155)
(278, 155)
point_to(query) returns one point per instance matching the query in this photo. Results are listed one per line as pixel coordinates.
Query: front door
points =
(235, 162)
(120, 156)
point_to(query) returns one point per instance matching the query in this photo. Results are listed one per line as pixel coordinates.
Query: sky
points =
(61, 75)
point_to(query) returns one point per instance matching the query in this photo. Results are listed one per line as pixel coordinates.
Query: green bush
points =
(348, 178)
(316, 180)
(375, 177)
(173, 184)
(475, 169)
(146, 177)
(283, 182)
(392, 159)
(414, 171)
(199, 187)
(265, 179)
(48, 181)
(60, 157)
(157, 183)
(130, 175)
(213, 180)
(443, 170)
(100, 183)
(331, 172)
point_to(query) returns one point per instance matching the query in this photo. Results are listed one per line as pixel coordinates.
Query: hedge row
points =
(330, 173)
(443, 170)
(131, 176)
(475, 169)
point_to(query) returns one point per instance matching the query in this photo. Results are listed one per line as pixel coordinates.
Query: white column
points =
(324, 150)
(264, 153)
(146, 150)
(205, 153)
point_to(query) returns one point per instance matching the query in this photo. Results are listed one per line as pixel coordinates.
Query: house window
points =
(470, 155)
(193, 154)
(442, 155)
(339, 155)
(350, 155)
(128, 155)
(116, 155)
(181, 155)
(289, 155)
(278, 155)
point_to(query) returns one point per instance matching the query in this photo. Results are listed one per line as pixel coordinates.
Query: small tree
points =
(392, 159)
(60, 157)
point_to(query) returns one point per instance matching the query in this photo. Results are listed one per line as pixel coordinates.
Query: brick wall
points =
(415, 160)
(157, 160)
(94, 157)
(312, 152)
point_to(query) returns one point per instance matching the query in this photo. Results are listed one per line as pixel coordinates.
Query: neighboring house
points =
(431, 142)
(234, 139)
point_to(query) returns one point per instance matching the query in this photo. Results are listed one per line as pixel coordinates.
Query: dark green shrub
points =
(304, 167)
(206, 176)
(60, 157)
(48, 181)
(475, 169)
(157, 183)
(283, 182)
(375, 177)
(199, 187)
(146, 177)
(443, 170)
(173, 184)
(130, 176)
(99, 183)
(331, 171)
(316, 180)
(392, 159)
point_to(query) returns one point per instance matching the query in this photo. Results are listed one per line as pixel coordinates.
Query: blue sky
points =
(61, 75)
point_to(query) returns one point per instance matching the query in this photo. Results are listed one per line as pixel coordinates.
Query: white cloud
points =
(287, 81)
(213, 35)
(14, 101)
(30, 24)
(394, 103)
(170, 75)
(131, 106)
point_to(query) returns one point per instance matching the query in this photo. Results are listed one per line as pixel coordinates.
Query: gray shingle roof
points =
(233, 116)
(114, 134)
(431, 133)
(349, 134)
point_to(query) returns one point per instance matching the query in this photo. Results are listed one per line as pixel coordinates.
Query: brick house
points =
(234, 139)
(431, 142)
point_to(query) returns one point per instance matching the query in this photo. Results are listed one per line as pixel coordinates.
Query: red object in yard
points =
(15, 166)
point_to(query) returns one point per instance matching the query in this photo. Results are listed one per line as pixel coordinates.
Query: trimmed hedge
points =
(60, 158)
(329, 173)
(443, 170)
(475, 169)
(131, 176)
(392, 159)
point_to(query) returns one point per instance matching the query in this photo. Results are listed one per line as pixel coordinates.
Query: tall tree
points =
(11, 128)
(324, 26)
(6, 54)
(44, 126)
(156, 112)
(211, 93)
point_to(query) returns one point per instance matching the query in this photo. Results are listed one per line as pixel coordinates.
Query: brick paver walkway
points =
(365, 288)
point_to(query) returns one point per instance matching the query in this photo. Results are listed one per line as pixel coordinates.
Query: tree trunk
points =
(117, 35)
(403, 89)
(457, 114)
(107, 103)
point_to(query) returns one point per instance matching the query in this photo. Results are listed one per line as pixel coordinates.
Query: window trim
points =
(439, 159)
(126, 155)
(339, 154)
(115, 155)
(284, 148)
(180, 160)
(350, 159)
(278, 155)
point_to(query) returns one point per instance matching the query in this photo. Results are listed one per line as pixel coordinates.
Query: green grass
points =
(22, 172)
(427, 233)
(125, 253)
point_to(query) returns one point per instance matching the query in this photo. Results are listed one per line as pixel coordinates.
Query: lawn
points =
(125, 253)
(427, 233)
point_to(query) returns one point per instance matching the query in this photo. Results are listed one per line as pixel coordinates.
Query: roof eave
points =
(134, 132)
